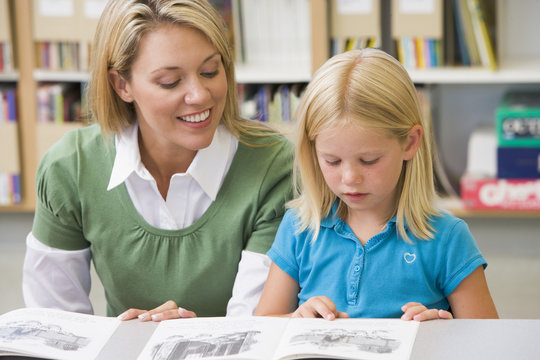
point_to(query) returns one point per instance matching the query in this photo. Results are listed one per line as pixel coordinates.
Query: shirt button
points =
(356, 268)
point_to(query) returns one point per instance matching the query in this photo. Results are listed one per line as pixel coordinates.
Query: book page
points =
(54, 334)
(348, 339)
(210, 338)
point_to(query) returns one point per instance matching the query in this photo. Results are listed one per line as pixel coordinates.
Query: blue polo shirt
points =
(376, 280)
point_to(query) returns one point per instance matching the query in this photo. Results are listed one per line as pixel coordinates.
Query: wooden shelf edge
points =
(22, 208)
(456, 207)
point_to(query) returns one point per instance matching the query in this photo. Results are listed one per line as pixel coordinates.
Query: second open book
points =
(62, 335)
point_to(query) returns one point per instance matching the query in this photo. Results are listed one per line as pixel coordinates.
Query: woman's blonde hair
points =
(370, 88)
(116, 42)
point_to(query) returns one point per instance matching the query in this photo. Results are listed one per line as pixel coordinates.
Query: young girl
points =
(363, 238)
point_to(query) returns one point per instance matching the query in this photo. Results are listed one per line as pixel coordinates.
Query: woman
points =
(172, 195)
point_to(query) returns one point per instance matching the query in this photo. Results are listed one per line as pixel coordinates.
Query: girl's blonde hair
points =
(370, 88)
(116, 42)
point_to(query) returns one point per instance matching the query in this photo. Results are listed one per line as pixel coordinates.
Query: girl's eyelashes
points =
(369, 162)
(362, 161)
(333, 162)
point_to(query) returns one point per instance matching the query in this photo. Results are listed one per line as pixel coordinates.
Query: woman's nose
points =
(196, 92)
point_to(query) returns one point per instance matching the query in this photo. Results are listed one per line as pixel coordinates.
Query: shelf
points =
(61, 76)
(456, 207)
(10, 76)
(515, 71)
(22, 208)
(271, 74)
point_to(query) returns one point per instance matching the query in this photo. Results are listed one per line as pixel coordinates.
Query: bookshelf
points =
(466, 98)
(34, 136)
(463, 98)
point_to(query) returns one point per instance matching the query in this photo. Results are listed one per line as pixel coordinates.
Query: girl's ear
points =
(120, 86)
(413, 142)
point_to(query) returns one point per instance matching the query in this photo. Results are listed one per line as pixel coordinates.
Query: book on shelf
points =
(417, 28)
(482, 153)
(10, 187)
(518, 162)
(6, 59)
(517, 119)
(60, 108)
(495, 180)
(450, 46)
(482, 193)
(274, 33)
(56, 334)
(63, 32)
(271, 103)
(481, 22)
(354, 25)
(465, 40)
(59, 102)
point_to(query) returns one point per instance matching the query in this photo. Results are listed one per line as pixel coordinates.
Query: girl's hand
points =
(418, 312)
(319, 306)
(167, 311)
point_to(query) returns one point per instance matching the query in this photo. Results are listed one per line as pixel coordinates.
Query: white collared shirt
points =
(189, 196)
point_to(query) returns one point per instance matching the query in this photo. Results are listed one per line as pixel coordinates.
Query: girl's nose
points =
(351, 175)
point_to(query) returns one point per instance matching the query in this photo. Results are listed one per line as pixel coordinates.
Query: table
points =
(436, 340)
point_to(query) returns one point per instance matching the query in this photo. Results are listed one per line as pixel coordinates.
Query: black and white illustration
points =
(376, 341)
(367, 339)
(51, 335)
(54, 334)
(204, 346)
(204, 338)
(269, 338)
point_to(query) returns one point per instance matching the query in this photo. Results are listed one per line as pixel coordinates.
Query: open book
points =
(58, 334)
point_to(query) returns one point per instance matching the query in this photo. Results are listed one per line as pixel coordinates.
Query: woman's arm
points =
(469, 300)
(248, 284)
(54, 278)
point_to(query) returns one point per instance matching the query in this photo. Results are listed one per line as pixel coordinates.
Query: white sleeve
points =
(54, 278)
(248, 285)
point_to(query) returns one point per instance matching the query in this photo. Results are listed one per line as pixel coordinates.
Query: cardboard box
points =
(517, 120)
(500, 194)
(518, 162)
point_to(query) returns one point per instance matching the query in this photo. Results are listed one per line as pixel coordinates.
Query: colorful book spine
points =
(10, 188)
(481, 34)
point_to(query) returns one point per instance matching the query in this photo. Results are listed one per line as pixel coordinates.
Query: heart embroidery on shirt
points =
(409, 258)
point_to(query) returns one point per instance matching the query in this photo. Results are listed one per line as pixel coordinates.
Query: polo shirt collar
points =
(332, 219)
(208, 168)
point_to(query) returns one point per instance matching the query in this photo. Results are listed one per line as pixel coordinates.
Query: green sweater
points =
(139, 265)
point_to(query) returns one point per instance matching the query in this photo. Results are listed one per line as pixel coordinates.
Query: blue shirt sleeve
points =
(461, 257)
(283, 250)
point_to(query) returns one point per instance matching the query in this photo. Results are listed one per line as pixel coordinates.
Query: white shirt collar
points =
(208, 168)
